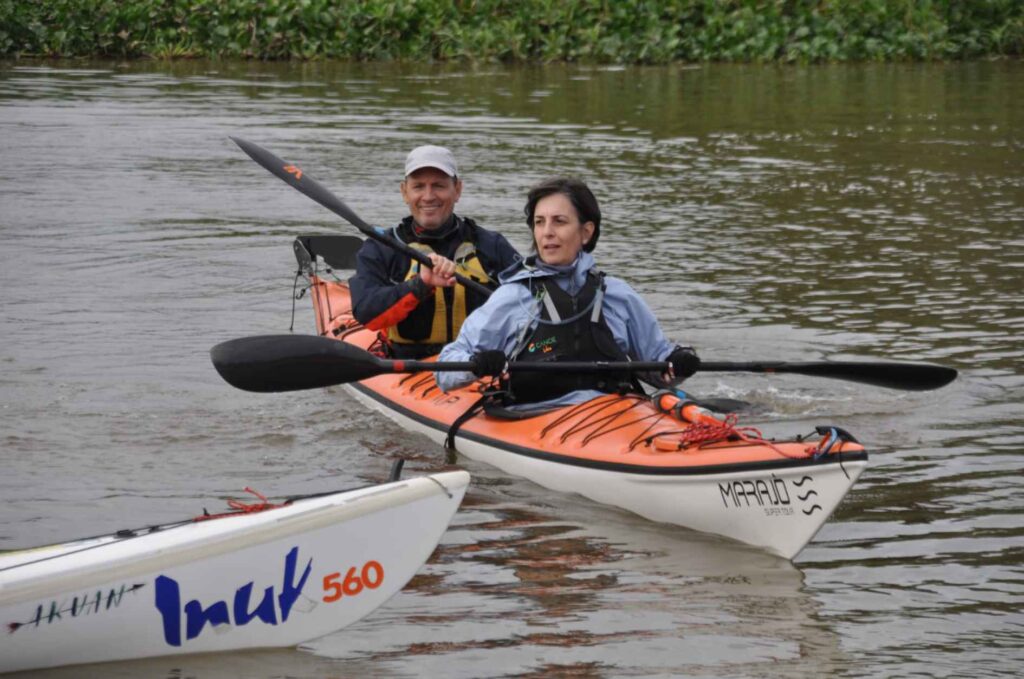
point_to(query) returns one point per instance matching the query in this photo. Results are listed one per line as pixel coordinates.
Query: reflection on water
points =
(521, 593)
(764, 212)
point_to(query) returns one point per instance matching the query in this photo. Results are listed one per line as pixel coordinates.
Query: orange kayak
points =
(659, 457)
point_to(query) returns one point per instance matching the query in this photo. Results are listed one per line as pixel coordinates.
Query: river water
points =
(848, 211)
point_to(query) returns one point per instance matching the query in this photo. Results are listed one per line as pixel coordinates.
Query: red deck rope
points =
(698, 433)
(709, 429)
(240, 507)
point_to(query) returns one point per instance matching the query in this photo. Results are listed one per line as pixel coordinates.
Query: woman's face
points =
(557, 232)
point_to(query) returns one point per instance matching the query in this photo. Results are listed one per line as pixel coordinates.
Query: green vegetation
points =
(623, 31)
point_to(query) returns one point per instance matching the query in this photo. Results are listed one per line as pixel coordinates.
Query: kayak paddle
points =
(296, 178)
(274, 363)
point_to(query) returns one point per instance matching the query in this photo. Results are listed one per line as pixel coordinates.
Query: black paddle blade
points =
(909, 376)
(294, 175)
(892, 375)
(273, 363)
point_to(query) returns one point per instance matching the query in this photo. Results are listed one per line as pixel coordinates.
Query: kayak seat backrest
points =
(338, 252)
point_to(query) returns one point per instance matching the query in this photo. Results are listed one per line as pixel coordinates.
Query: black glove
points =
(684, 362)
(489, 363)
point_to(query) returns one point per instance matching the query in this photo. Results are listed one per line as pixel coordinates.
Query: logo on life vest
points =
(543, 346)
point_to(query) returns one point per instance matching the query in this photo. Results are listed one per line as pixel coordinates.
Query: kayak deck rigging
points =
(660, 427)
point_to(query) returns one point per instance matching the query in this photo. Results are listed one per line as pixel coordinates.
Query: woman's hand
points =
(683, 362)
(490, 363)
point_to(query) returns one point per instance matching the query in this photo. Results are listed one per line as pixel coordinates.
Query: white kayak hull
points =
(273, 578)
(778, 509)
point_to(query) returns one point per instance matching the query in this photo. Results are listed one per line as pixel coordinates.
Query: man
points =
(416, 309)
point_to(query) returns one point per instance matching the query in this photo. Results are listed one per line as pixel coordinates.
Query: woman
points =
(556, 306)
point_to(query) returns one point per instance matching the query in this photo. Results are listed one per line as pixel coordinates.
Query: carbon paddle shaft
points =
(295, 177)
(399, 366)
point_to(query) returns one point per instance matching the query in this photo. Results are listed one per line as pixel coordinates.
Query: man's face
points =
(431, 196)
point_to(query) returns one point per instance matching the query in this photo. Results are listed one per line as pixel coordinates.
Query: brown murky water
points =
(766, 213)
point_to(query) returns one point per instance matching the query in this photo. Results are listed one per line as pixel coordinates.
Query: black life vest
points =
(571, 328)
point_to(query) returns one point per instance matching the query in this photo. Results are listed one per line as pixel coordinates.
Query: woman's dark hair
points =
(578, 194)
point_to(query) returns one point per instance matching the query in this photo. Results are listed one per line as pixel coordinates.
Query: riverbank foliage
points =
(622, 31)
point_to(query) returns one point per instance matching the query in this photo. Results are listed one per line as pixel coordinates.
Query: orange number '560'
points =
(370, 577)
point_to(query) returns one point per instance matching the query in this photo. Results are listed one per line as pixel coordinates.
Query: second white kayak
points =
(270, 578)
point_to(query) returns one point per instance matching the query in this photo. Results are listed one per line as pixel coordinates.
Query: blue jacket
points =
(512, 312)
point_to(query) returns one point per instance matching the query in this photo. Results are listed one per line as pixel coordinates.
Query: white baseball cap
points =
(431, 156)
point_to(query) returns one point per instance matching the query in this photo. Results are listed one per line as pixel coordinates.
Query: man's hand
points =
(441, 273)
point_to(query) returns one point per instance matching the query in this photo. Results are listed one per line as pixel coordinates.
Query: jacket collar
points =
(409, 232)
(532, 267)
